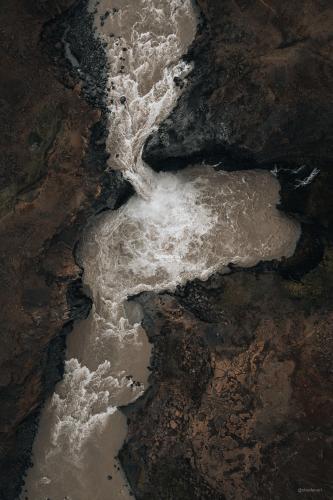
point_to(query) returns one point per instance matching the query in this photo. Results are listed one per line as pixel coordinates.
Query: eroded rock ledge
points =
(260, 91)
(53, 178)
(241, 385)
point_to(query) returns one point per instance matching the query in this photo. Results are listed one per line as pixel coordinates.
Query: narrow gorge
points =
(202, 257)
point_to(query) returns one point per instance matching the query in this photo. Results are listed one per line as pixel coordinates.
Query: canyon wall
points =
(260, 91)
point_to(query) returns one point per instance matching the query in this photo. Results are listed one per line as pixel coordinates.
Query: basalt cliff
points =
(240, 397)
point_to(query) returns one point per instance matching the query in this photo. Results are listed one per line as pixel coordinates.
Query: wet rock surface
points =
(241, 383)
(53, 177)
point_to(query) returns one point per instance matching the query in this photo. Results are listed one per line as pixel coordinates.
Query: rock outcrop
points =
(53, 178)
(260, 91)
(241, 386)
(241, 390)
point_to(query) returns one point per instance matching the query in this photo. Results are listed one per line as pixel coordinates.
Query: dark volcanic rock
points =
(241, 390)
(53, 177)
(260, 91)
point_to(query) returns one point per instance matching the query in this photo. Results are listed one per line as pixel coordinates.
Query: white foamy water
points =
(179, 226)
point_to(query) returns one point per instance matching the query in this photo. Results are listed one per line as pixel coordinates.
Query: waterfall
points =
(177, 227)
(148, 39)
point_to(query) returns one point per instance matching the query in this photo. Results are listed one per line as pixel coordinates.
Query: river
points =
(177, 227)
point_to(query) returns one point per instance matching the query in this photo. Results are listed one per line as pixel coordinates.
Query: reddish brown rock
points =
(250, 379)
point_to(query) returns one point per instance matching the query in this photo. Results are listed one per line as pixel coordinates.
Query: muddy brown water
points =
(177, 227)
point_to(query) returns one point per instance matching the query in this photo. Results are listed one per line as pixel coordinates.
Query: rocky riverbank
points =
(53, 177)
(241, 384)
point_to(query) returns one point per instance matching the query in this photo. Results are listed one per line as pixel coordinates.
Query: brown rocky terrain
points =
(52, 178)
(241, 394)
(241, 398)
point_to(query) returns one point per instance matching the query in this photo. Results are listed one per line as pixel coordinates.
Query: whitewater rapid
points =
(177, 227)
